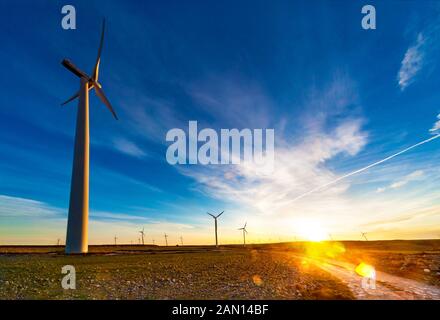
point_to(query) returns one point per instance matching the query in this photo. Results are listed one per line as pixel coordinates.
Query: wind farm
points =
(305, 270)
(245, 162)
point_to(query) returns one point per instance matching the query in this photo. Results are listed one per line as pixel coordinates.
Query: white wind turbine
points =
(364, 235)
(215, 224)
(77, 225)
(244, 233)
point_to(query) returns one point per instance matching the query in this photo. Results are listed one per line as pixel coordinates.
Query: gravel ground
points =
(222, 274)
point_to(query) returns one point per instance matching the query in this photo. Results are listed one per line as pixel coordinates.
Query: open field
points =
(325, 270)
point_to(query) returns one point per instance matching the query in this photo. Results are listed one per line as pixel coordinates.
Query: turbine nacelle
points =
(93, 80)
(244, 228)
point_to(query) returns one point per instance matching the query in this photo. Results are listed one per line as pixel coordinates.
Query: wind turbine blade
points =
(211, 215)
(104, 99)
(245, 225)
(74, 69)
(220, 214)
(76, 95)
(95, 74)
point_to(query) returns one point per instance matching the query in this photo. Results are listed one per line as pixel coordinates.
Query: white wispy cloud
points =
(421, 54)
(413, 176)
(297, 168)
(436, 127)
(22, 207)
(391, 221)
(37, 222)
(232, 101)
(412, 62)
(331, 129)
(128, 147)
(299, 164)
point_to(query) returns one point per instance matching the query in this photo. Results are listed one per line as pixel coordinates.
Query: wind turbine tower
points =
(181, 240)
(166, 239)
(116, 238)
(215, 224)
(244, 234)
(142, 235)
(77, 225)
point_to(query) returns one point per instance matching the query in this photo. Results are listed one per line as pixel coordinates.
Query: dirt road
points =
(388, 287)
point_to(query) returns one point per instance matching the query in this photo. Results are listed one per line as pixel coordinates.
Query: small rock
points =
(426, 270)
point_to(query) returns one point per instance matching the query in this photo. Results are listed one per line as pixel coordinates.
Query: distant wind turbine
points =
(153, 241)
(364, 235)
(142, 234)
(244, 233)
(330, 236)
(116, 238)
(215, 224)
(181, 240)
(166, 239)
(58, 242)
(77, 225)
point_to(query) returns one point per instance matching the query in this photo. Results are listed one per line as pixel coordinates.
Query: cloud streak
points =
(128, 147)
(436, 128)
(412, 62)
(364, 168)
(418, 174)
(22, 207)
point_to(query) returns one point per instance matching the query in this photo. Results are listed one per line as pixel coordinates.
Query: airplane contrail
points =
(364, 168)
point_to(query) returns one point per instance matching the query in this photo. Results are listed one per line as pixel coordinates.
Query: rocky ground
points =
(279, 271)
(223, 274)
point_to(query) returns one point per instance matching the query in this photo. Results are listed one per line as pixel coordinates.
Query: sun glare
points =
(311, 230)
(365, 270)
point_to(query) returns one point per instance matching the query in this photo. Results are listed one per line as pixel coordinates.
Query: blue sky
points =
(339, 97)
